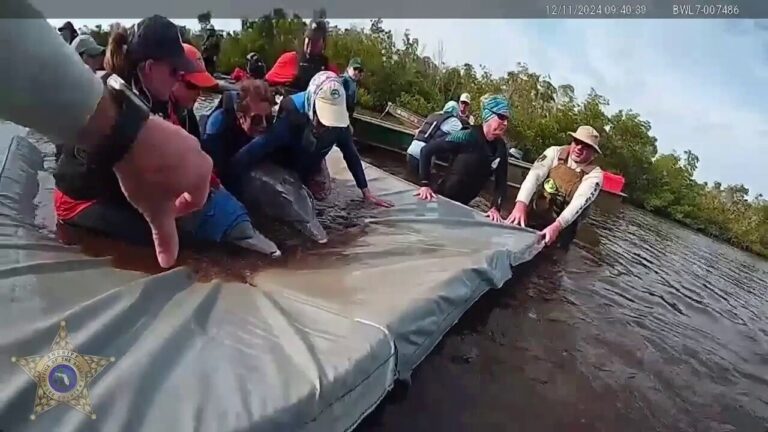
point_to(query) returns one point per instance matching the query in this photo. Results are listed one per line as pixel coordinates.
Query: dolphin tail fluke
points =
(246, 236)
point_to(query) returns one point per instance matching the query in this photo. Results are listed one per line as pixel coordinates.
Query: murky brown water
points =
(643, 325)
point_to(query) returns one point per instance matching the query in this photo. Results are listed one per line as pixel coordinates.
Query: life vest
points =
(558, 189)
(431, 128)
(309, 66)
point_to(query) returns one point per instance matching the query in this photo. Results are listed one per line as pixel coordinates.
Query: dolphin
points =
(279, 194)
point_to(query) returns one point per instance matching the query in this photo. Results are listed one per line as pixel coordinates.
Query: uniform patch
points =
(541, 158)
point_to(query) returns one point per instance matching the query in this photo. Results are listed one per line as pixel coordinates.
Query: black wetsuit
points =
(474, 161)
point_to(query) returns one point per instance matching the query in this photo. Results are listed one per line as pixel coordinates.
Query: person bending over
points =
(564, 181)
(478, 153)
(307, 126)
(436, 127)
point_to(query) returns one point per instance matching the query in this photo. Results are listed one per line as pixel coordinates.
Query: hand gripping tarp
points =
(307, 346)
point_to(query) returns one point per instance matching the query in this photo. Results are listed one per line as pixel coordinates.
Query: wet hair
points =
(116, 59)
(253, 89)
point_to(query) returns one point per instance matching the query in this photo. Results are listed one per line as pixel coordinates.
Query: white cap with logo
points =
(331, 103)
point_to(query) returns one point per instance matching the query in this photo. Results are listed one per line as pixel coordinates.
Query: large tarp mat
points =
(310, 345)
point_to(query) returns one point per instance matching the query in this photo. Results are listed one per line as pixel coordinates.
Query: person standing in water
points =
(478, 153)
(436, 127)
(564, 181)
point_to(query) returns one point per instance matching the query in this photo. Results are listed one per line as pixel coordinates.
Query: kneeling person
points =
(478, 153)
(564, 181)
(437, 126)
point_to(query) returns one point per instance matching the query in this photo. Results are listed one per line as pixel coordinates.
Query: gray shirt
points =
(44, 84)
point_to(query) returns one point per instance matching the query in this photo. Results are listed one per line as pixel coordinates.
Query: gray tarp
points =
(311, 345)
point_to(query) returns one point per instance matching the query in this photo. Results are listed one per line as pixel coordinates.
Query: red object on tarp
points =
(237, 75)
(613, 182)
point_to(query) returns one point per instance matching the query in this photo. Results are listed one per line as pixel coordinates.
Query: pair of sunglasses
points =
(502, 117)
(260, 119)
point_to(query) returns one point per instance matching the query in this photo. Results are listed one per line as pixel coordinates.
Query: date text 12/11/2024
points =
(597, 10)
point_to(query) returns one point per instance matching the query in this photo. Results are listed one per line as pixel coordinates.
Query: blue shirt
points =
(350, 88)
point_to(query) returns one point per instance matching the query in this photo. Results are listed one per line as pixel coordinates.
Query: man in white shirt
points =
(564, 181)
(437, 125)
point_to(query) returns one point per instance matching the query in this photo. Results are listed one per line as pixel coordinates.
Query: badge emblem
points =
(335, 93)
(62, 375)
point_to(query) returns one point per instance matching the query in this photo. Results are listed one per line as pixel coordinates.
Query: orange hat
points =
(200, 76)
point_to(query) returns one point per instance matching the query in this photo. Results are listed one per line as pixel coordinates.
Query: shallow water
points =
(643, 325)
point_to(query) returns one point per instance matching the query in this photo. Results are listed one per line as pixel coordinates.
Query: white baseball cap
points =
(464, 98)
(331, 104)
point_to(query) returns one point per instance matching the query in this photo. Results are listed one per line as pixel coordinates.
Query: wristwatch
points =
(129, 114)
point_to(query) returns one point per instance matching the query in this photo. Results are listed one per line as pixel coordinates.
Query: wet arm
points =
(429, 151)
(536, 175)
(585, 194)
(501, 177)
(352, 158)
(44, 84)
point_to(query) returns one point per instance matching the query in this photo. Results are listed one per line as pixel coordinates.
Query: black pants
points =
(413, 166)
(117, 221)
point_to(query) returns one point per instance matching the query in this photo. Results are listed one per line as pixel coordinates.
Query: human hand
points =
(425, 193)
(519, 214)
(371, 198)
(165, 175)
(550, 233)
(494, 215)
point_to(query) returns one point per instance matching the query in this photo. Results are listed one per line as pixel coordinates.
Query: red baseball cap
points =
(199, 76)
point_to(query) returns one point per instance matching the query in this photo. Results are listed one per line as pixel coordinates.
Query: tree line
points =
(543, 113)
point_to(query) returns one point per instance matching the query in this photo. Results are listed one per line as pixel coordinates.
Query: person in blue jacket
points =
(307, 126)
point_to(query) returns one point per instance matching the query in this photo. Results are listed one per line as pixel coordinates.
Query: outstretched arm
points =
(585, 194)
(352, 158)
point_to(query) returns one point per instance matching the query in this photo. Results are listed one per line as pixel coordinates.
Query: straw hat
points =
(587, 135)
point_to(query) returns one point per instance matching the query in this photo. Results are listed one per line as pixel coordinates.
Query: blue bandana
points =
(451, 107)
(494, 104)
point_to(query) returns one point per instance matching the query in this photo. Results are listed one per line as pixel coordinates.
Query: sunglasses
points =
(358, 70)
(259, 119)
(502, 117)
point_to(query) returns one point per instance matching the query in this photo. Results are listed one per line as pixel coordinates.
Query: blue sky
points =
(701, 83)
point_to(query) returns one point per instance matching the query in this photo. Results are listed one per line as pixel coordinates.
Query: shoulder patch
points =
(541, 158)
(464, 135)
